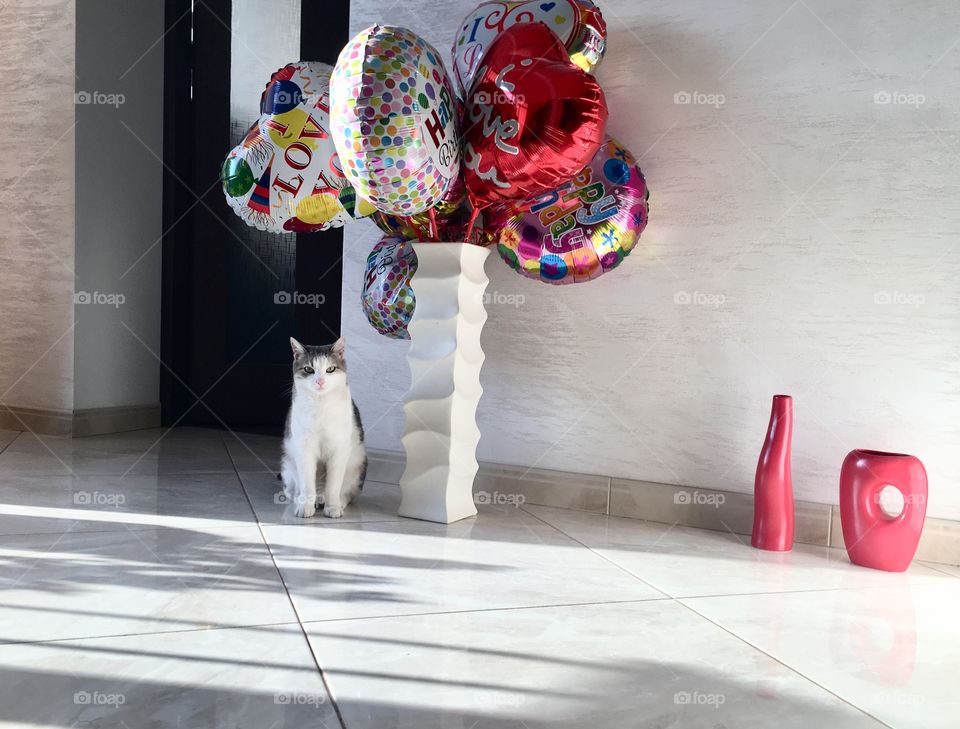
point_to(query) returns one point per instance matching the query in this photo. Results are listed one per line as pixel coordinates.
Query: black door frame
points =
(196, 138)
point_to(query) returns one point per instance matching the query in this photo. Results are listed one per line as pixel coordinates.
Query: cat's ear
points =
(339, 346)
(298, 349)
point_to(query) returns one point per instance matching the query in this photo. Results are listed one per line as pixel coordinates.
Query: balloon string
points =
(473, 219)
(434, 234)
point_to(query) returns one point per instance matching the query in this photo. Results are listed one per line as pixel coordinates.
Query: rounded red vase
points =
(773, 485)
(872, 537)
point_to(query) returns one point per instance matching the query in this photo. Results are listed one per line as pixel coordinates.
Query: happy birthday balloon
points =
(582, 229)
(577, 23)
(394, 120)
(387, 297)
(285, 175)
(533, 119)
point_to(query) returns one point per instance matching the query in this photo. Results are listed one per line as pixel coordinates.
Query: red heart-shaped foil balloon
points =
(533, 119)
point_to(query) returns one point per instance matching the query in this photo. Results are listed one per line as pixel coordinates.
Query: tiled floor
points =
(153, 580)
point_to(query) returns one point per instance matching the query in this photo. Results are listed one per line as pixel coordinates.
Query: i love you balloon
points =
(577, 23)
(394, 120)
(582, 229)
(285, 175)
(532, 118)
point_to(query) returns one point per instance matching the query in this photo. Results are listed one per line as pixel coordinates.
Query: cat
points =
(323, 429)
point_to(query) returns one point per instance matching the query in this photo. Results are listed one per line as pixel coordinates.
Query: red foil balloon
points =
(533, 118)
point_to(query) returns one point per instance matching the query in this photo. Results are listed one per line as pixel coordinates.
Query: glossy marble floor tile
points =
(685, 562)
(251, 677)
(154, 580)
(186, 450)
(377, 502)
(644, 665)
(254, 453)
(54, 504)
(893, 653)
(85, 584)
(501, 558)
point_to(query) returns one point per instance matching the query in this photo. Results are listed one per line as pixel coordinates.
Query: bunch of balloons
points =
(510, 151)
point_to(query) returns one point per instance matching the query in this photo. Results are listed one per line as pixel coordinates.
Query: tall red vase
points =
(873, 538)
(773, 485)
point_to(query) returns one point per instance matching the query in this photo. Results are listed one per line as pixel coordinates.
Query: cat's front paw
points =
(305, 509)
(334, 512)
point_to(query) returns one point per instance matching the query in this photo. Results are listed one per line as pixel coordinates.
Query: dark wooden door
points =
(232, 295)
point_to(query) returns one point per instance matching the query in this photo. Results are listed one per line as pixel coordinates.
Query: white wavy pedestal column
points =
(445, 357)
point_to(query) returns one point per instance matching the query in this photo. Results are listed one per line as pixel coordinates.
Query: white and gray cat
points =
(324, 434)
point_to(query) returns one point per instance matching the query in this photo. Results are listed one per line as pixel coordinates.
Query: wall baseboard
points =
(99, 421)
(816, 524)
(79, 423)
(38, 420)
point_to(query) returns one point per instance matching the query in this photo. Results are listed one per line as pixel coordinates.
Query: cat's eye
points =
(308, 370)
(331, 369)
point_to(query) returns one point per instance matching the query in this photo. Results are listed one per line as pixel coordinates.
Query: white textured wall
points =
(36, 203)
(829, 225)
(119, 212)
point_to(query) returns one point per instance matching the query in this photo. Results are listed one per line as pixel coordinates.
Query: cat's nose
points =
(321, 383)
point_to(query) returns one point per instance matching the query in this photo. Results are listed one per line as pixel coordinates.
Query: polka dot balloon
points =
(387, 297)
(393, 120)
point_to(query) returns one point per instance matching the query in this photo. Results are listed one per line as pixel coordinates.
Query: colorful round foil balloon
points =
(582, 229)
(285, 175)
(387, 297)
(394, 120)
(533, 119)
(577, 23)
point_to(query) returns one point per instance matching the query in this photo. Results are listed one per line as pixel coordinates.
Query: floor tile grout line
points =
(316, 661)
(13, 440)
(593, 551)
(664, 598)
(810, 591)
(785, 665)
(704, 617)
(635, 520)
(118, 474)
(738, 637)
(125, 527)
(243, 490)
(339, 524)
(135, 634)
(504, 608)
(732, 594)
(938, 567)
